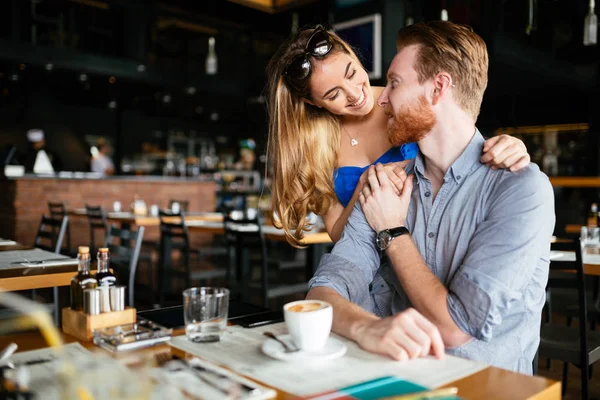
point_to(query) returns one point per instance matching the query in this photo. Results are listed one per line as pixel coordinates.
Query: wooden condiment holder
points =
(82, 325)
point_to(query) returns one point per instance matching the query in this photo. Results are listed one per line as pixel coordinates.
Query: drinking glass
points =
(205, 313)
(593, 239)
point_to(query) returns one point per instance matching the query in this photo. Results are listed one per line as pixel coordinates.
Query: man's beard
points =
(412, 123)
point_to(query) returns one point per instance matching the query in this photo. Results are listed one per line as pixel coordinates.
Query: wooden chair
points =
(580, 347)
(97, 220)
(125, 246)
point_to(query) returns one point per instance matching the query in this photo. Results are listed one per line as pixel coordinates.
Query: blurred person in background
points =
(101, 162)
(39, 159)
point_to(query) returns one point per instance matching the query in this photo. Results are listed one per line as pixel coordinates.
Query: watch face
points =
(383, 239)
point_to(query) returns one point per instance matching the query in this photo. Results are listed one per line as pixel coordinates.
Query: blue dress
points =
(345, 179)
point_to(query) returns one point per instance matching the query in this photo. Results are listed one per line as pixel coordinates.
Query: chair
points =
(97, 219)
(174, 236)
(49, 237)
(242, 236)
(124, 256)
(58, 211)
(51, 234)
(580, 347)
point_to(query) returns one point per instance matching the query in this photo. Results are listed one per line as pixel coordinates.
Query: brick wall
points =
(24, 200)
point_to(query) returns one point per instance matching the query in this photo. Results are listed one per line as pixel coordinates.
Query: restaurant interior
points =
(152, 119)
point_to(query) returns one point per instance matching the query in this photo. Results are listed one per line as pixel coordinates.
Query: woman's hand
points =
(505, 151)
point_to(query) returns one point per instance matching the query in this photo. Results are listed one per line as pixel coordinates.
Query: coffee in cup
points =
(309, 323)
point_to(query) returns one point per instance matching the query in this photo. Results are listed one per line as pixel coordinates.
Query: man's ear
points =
(307, 101)
(441, 83)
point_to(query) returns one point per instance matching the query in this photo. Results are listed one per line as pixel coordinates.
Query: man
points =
(101, 163)
(465, 245)
(39, 159)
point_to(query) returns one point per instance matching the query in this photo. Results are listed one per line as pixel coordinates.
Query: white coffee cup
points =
(309, 323)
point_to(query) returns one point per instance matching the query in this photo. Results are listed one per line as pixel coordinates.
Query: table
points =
(15, 277)
(130, 218)
(591, 259)
(490, 383)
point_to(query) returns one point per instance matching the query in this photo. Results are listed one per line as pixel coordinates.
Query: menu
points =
(240, 350)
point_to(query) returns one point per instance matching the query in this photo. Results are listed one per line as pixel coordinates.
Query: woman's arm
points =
(505, 151)
(335, 219)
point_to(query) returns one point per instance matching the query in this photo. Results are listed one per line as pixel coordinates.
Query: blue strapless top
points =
(345, 179)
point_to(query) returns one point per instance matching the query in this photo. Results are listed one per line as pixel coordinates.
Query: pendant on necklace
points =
(354, 142)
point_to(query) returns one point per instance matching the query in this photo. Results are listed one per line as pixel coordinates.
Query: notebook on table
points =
(380, 388)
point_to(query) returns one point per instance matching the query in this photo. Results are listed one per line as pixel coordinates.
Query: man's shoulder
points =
(529, 181)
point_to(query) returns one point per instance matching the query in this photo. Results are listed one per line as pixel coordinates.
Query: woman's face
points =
(339, 84)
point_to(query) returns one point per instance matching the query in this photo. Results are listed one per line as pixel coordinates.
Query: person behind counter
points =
(101, 162)
(39, 159)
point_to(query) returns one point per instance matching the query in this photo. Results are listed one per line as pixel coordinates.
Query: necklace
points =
(353, 141)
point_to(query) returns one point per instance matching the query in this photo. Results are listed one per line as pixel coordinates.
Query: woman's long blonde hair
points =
(303, 142)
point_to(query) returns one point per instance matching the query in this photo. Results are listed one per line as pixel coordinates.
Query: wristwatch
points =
(385, 237)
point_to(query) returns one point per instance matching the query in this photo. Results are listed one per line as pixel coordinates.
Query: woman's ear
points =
(307, 101)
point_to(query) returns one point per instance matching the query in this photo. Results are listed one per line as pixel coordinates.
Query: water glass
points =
(117, 206)
(205, 313)
(593, 238)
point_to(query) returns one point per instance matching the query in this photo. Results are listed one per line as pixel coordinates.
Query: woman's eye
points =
(353, 73)
(335, 96)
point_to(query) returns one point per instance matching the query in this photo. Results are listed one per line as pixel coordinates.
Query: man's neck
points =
(446, 142)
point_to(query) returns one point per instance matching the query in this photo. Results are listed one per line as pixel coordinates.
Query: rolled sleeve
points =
(353, 262)
(506, 250)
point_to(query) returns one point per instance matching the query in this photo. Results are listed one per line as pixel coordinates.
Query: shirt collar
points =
(463, 165)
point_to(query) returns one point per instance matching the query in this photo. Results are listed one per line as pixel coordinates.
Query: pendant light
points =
(211, 59)
(590, 26)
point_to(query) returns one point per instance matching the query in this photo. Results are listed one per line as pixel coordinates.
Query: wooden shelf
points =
(575, 181)
(541, 129)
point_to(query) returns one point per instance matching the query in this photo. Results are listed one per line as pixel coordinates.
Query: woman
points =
(325, 131)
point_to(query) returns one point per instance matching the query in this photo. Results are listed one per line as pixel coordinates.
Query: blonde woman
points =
(325, 131)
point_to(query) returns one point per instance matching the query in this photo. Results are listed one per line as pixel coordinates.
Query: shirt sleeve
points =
(353, 262)
(508, 251)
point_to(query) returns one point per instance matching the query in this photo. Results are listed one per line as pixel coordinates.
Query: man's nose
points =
(383, 98)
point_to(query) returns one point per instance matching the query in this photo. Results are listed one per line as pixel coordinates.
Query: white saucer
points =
(334, 348)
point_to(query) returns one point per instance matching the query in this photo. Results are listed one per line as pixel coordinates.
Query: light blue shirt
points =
(487, 239)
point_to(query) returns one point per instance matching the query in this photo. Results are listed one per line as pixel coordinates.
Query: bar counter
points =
(24, 199)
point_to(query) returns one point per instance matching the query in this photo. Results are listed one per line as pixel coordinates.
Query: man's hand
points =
(407, 335)
(505, 151)
(383, 208)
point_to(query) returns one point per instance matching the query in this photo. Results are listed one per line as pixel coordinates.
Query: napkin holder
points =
(82, 325)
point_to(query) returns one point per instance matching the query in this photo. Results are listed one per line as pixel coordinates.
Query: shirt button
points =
(427, 194)
(431, 234)
(458, 178)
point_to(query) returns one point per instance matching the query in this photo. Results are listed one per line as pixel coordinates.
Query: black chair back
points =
(51, 234)
(58, 211)
(125, 246)
(242, 235)
(578, 283)
(173, 236)
(97, 220)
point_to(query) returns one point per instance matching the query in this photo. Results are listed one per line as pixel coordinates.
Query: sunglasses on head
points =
(318, 45)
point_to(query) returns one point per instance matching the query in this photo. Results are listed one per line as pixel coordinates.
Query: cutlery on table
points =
(286, 347)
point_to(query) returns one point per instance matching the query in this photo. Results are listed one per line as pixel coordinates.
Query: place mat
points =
(28, 258)
(570, 256)
(7, 243)
(240, 350)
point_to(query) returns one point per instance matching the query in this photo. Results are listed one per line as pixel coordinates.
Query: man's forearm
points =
(348, 317)
(424, 289)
